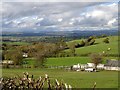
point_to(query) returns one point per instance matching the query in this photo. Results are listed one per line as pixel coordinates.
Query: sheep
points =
(108, 49)
(103, 52)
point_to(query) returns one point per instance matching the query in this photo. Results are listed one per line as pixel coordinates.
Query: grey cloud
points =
(51, 12)
(15, 9)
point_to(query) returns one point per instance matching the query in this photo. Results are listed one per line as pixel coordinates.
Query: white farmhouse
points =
(91, 65)
(7, 62)
(100, 66)
(83, 66)
(25, 55)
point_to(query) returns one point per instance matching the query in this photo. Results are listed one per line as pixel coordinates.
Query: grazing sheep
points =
(109, 49)
(103, 52)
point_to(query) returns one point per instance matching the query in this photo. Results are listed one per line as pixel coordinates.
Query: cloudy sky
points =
(59, 15)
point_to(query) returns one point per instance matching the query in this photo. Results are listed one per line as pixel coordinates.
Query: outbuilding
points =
(112, 65)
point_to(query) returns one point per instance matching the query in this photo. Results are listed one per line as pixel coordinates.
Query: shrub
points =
(82, 43)
(103, 35)
(92, 42)
(106, 40)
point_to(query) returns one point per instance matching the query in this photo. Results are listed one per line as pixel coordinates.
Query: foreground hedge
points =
(30, 83)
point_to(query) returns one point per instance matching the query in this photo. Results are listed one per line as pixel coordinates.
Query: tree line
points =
(42, 50)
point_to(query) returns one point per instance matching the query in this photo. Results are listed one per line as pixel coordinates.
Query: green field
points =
(16, 43)
(99, 47)
(66, 61)
(104, 79)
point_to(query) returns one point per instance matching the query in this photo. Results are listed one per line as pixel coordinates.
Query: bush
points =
(82, 43)
(106, 40)
(77, 45)
(103, 35)
(92, 42)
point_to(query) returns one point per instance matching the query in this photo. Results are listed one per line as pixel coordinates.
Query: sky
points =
(59, 15)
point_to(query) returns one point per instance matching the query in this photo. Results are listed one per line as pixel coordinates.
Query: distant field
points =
(104, 79)
(67, 61)
(98, 40)
(99, 47)
(64, 61)
(16, 43)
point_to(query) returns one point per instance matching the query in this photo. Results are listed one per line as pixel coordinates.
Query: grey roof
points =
(113, 63)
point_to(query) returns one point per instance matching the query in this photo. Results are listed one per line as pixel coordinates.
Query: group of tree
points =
(86, 42)
(90, 41)
(42, 50)
(14, 55)
(39, 50)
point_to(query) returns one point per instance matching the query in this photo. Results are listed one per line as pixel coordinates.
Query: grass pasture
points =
(16, 43)
(104, 79)
(66, 61)
(99, 47)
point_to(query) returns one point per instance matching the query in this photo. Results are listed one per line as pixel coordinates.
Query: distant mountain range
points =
(73, 33)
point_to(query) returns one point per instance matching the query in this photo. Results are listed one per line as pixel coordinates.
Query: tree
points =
(14, 55)
(103, 35)
(62, 44)
(72, 48)
(106, 40)
(82, 43)
(90, 41)
(7, 55)
(40, 58)
(44, 51)
(17, 57)
(96, 59)
(4, 46)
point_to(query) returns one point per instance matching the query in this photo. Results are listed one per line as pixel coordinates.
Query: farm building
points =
(6, 62)
(85, 66)
(25, 55)
(112, 65)
(91, 65)
(100, 66)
